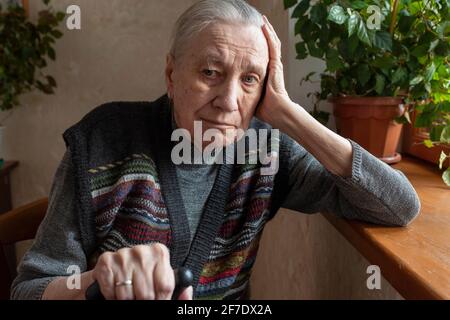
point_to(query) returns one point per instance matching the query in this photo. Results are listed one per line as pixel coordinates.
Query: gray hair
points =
(205, 12)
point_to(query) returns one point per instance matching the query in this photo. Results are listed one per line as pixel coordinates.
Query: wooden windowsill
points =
(414, 259)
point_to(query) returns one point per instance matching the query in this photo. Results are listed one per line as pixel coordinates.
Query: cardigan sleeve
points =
(375, 192)
(57, 245)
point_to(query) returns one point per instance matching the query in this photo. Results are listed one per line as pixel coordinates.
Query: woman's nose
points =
(228, 95)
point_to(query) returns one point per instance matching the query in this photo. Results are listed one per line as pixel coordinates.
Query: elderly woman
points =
(123, 212)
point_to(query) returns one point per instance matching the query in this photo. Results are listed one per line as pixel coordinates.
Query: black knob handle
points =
(93, 292)
(183, 279)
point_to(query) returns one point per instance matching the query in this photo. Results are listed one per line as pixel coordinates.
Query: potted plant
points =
(384, 60)
(24, 49)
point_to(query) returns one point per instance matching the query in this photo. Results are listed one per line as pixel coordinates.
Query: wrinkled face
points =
(219, 79)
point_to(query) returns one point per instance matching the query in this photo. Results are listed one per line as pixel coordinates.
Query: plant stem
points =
(394, 8)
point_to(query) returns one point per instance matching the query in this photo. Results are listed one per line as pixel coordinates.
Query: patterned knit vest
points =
(128, 195)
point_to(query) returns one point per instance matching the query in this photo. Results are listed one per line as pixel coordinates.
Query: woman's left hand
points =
(275, 95)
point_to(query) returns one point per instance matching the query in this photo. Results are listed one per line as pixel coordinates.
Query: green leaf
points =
(423, 120)
(379, 84)
(442, 49)
(56, 33)
(363, 74)
(299, 26)
(337, 14)
(444, 28)
(300, 9)
(318, 13)
(423, 60)
(405, 23)
(47, 89)
(420, 108)
(428, 143)
(314, 50)
(420, 50)
(334, 64)
(333, 61)
(324, 37)
(362, 33)
(446, 177)
(444, 106)
(399, 75)
(416, 80)
(60, 15)
(332, 53)
(433, 45)
(27, 53)
(352, 22)
(51, 53)
(310, 31)
(307, 77)
(435, 132)
(358, 4)
(343, 50)
(429, 72)
(445, 135)
(352, 44)
(440, 96)
(343, 83)
(385, 62)
(300, 48)
(442, 158)
(383, 40)
(289, 3)
(51, 81)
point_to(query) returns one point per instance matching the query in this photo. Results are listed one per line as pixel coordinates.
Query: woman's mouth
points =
(217, 124)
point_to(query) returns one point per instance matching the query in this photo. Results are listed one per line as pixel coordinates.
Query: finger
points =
(274, 47)
(273, 55)
(123, 273)
(273, 33)
(104, 275)
(124, 291)
(106, 284)
(270, 27)
(164, 280)
(143, 284)
(186, 294)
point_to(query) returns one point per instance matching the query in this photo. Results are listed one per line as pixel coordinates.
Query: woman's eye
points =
(209, 73)
(250, 79)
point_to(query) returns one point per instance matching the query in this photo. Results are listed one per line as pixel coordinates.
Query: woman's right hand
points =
(147, 266)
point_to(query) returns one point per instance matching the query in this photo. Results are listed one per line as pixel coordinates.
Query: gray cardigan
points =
(375, 193)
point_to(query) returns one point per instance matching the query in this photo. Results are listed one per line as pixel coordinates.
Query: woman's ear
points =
(170, 63)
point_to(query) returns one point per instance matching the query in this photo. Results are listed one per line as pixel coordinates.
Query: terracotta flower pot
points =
(370, 122)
